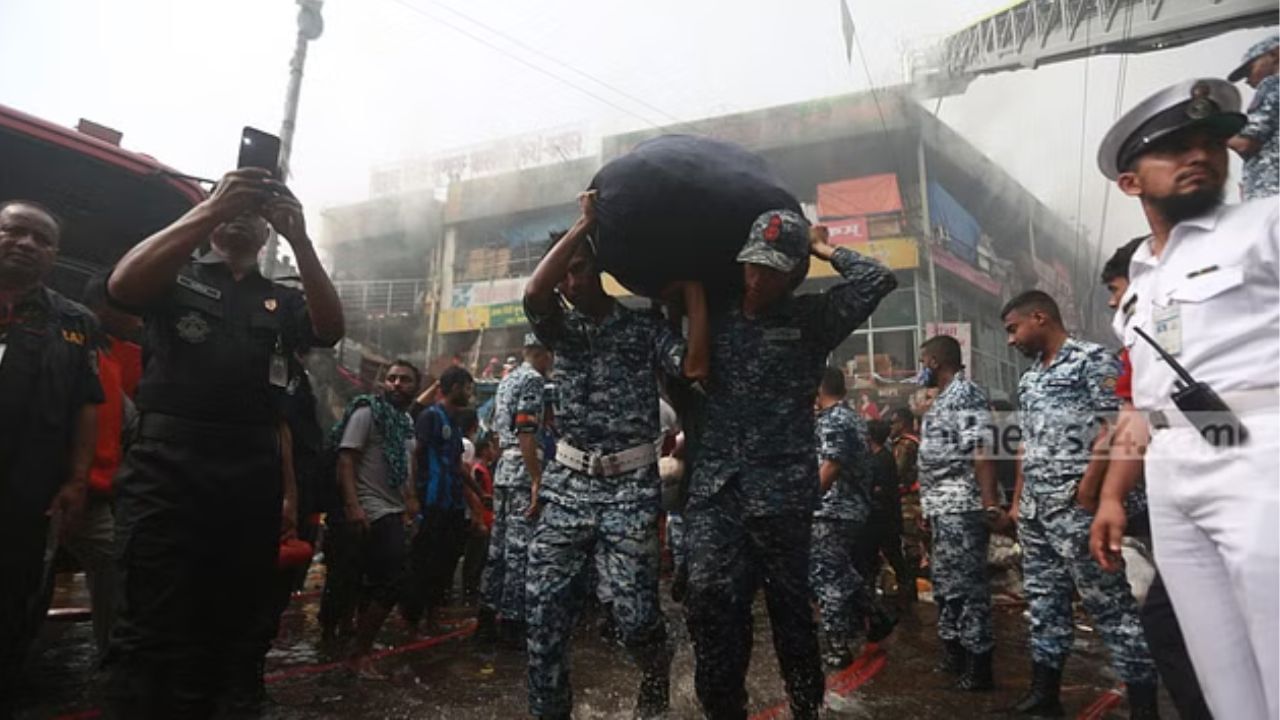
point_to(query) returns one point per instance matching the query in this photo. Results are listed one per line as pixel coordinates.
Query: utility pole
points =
(310, 27)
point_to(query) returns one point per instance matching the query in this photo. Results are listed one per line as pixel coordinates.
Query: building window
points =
(897, 309)
(852, 357)
(895, 354)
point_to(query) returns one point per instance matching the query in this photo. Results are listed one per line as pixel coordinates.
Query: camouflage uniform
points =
(518, 409)
(1059, 410)
(952, 430)
(607, 401)
(1262, 170)
(837, 523)
(754, 485)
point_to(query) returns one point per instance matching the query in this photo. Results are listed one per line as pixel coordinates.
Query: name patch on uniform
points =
(196, 286)
(1168, 326)
(781, 334)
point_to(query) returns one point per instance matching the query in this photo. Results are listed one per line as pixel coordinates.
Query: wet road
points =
(455, 677)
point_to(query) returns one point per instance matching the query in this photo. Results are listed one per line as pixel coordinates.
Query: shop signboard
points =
(866, 195)
(482, 316)
(848, 231)
(488, 292)
(896, 253)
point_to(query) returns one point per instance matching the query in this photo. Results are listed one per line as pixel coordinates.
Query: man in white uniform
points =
(1206, 287)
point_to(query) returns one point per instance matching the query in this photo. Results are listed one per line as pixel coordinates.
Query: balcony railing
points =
(382, 297)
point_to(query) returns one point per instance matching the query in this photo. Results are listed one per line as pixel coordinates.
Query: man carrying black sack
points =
(199, 506)
(755, 481)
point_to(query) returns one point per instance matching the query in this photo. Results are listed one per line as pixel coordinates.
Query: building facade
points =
(882, 173)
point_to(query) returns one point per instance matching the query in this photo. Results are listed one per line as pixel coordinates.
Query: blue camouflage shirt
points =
(958, 422)
(606, 395)
(1060, 407)
(842, 437)
(519, 408)
(765, 372)
(1262, 170)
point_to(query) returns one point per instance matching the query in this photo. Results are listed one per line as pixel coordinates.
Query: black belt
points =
(157, 426)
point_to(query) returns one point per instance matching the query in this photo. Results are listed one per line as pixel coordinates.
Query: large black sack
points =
(679, 207)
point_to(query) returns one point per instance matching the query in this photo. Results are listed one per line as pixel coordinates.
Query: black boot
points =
(486, 626)
(977, 673)
(513, 634)
(680, 584)
(654, 698)
(1042, 699)
(907, 593)
(609, 629)
(836, 655)
(1142, 701)
(952, 658)
(882, 623)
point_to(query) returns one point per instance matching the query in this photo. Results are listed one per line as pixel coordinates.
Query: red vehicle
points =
(108, 198)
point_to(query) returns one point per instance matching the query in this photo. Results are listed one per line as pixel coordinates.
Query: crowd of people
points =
(172, 472)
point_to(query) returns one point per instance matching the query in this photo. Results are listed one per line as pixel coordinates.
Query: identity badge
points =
(1168, 326)
(278, 375)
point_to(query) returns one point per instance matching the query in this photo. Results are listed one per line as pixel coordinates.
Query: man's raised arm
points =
(148, 270)
(539, 293)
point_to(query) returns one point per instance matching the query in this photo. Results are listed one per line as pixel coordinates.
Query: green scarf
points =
(396, 431)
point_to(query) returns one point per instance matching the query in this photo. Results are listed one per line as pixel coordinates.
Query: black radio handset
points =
(1200, 404)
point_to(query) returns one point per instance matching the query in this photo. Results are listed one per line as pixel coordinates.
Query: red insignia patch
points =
(775, 228)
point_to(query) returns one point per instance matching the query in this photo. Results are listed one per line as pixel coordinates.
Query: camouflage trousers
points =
(622, 540)
(840, 590)
(961, 589)
(1056, 560)
(731, 556)
(502, 585)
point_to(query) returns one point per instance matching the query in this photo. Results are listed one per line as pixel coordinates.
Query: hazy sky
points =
(397, 78)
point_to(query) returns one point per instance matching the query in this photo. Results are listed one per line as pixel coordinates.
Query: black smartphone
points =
(260, 150)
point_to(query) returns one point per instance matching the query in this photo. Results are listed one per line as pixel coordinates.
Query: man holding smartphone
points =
(190, 638)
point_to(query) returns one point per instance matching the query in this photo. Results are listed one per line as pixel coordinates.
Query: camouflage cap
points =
(1255, 51)
(779, 239)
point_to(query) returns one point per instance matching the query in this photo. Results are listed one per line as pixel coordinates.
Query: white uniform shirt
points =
(1219, 275)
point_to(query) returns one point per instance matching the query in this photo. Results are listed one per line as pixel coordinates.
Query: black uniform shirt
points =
(211, 343)
(47, 373)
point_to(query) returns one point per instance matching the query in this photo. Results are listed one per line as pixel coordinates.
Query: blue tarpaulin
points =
(958, 226)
